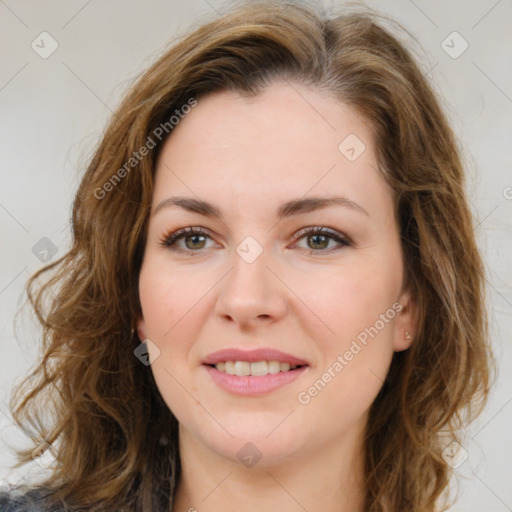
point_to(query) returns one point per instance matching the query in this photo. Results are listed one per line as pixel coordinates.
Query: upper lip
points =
(252, 356)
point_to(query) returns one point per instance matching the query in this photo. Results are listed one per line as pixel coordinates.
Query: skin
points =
(248, 156)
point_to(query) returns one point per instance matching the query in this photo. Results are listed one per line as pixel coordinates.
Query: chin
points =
(261, 452)
(261, 440)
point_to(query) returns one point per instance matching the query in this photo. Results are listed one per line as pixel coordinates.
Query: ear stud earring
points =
(407, 335)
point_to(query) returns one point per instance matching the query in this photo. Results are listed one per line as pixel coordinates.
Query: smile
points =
(247, 384)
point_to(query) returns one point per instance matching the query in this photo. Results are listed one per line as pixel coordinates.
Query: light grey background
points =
(53, 111)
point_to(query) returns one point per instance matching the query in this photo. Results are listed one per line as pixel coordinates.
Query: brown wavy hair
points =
(115, 438)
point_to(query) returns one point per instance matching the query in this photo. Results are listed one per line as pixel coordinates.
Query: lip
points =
(249, 385)
(252, 356)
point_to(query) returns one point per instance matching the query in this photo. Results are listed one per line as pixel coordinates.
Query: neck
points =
(327, 480)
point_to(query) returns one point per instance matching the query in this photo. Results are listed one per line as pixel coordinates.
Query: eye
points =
(194, 238)
(318, 239)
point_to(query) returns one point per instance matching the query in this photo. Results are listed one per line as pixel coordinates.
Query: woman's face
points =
(262, 284)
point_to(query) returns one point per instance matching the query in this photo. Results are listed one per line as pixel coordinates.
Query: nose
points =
(251, 294)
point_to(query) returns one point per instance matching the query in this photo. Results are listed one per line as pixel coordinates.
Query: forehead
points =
(288, 140)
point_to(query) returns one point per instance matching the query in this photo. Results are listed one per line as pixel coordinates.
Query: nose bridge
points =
(249, 263)
(251, 290)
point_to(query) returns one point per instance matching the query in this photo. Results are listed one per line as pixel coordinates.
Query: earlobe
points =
(140, 326)
(405, 323)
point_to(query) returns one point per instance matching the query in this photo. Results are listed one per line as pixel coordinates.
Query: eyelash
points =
(171, 238)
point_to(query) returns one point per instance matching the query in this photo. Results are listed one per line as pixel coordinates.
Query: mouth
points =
(255, 372)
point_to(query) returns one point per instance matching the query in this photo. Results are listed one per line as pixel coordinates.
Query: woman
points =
(277, 211)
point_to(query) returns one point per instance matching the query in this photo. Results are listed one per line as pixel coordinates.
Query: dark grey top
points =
(29, 502)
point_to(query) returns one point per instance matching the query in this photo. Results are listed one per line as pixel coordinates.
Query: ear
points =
(406, 322)
(140, 325)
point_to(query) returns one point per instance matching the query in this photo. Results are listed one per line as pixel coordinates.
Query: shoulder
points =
(28, 502)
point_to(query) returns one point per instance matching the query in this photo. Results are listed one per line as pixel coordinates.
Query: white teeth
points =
(257, 369)
(229, 367)
(274, 367)
(242, 368)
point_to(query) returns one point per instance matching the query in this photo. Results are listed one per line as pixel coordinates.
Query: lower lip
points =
(249, 385)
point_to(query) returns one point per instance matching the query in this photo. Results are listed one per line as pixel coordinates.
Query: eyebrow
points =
(288, 209)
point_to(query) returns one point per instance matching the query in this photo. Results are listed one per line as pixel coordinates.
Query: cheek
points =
(350, 298)
(355, 358)
(167, 307)
(356, 303)
(173, 306)
(169, 298)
